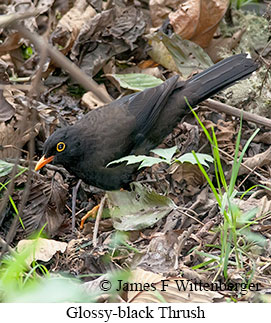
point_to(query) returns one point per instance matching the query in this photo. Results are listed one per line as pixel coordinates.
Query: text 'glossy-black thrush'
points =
(135, 124)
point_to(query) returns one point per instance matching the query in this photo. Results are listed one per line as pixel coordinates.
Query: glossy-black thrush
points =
(135, 124)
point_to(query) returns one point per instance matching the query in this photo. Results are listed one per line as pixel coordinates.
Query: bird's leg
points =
(91, 213)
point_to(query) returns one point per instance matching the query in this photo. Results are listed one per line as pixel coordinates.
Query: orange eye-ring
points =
(60, 146)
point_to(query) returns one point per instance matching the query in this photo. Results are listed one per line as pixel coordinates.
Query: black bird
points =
(135, 124)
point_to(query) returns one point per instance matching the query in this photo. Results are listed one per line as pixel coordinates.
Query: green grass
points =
(4, 186)
(24, 282)
(234, 231)
(237, 4)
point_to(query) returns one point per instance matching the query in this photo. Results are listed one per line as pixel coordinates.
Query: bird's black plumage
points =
(135, 124)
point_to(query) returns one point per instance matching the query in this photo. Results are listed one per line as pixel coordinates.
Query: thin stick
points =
(74, 194)
(222, 107)
(97, 222)
(74, 71)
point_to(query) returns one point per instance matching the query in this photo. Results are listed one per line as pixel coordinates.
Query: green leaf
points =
(246, 219)
(254, 237)
(144, 161)
(189, 158)
(150, 161)
(166, 153)
(55, 289)
(6, 168)
(27, 51)
(137, 81)
(131, 159)
(138, 209)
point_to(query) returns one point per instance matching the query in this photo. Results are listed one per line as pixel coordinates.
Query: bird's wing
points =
(120, 127)
(147, 105)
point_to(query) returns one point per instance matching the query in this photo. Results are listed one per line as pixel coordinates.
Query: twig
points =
(222, 107)
(250, 170)
(268, 69)
(36, 82)
(63, 62)
(5, 245)
(27, 188)
(243, 181)
(98, 219)
(74, 194)
(190, 216)
(6, 20)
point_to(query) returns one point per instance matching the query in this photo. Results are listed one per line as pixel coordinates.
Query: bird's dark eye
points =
(60, 146)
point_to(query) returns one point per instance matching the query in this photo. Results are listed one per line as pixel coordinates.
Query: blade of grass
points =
(199, 121)
(207, 178)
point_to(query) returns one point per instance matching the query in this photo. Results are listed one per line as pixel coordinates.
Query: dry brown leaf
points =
(90, 100)
(193, 275)
(161, 253)
(109, 33)
(19, 101)
(258, 160)
(205, 15)
(74, 254)
(6, 110)
(22, 7)
(196, 20)
(10, 43)
(188, 174)
(10, 138)
(16, 133)
(225, 134)
(70, 25)
(264, 138)
(170, 293)
(92, 287)
(46, 203)
(160, 9)
(220, 44)
(44, 249)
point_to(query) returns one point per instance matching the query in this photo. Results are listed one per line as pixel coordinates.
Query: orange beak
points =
(43, 161)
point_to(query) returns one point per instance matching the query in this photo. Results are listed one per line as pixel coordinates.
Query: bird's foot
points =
(92, 213)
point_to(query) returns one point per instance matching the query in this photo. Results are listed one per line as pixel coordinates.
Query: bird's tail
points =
(195, 90)
(219, 77)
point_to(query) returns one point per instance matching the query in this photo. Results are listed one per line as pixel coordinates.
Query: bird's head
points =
(62, 147)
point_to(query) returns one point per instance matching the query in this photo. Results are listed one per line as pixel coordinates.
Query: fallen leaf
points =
(161, 254)
(43, 249)
(90, 100)
(46, 204)
(138, 209)
(258, 160)
(188, 57)
(195, 20)
(137, 81)
(71, 24)
(109, 33)
(220, 45)
(160, 54)
(189, 173)
(169, 294)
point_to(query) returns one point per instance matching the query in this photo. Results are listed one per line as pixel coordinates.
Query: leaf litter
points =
(173, 222)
